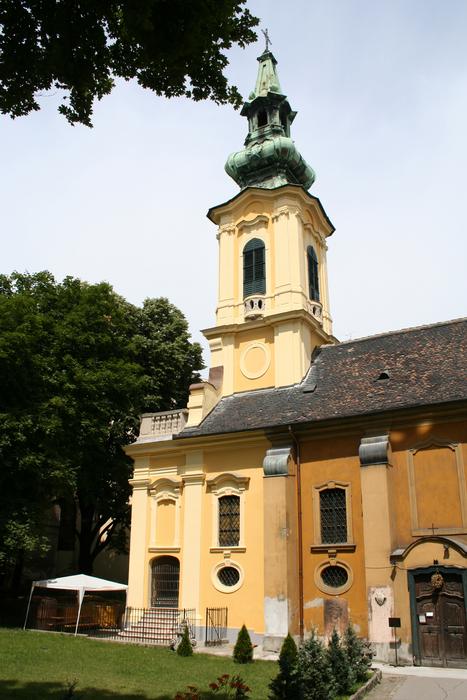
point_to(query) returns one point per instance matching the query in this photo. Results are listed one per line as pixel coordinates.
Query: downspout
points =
(300, 536)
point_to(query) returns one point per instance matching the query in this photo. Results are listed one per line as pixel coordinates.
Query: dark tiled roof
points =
(426, 366)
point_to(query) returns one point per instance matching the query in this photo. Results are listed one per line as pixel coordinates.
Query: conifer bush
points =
(185, 648)
(285, 685)
(358, 660)
(243, 650)
(316, 681)
(339, 664)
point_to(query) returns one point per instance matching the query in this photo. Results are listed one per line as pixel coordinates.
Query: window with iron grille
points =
(333, 514)
(313, 280)
(254, 275)
(228, 576)
(229, 521)
(334, 576)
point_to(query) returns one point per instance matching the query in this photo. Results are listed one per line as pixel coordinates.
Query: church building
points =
(309, 483)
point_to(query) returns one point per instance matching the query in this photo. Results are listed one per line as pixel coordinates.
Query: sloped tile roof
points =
(425, 366)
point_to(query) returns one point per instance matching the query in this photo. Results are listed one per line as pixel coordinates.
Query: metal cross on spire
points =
(268, 40)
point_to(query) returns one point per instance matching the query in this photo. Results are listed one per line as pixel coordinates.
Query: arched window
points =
(229, 521)
(313, 281)
(333, 515)
(262, 118)
(254, 277)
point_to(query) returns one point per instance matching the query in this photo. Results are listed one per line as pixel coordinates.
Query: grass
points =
(41, 665)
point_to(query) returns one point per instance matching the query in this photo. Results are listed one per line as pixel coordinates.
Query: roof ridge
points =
(462, 319)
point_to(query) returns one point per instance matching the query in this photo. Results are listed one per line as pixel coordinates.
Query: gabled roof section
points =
(415, 367)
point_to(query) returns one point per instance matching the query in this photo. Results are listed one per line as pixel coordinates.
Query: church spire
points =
(270, 158)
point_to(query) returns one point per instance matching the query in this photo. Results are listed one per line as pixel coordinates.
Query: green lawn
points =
(38, 665)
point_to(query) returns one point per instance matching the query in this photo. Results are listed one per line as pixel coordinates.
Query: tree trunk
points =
(85, 537)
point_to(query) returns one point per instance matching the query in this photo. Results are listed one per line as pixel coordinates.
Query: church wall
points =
(245, 603)
(332, 461)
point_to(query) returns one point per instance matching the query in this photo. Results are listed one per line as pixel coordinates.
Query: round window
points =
(334, 576)
(228, 576)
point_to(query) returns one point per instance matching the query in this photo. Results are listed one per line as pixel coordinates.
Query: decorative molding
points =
(281, 211)
(402, 552)
(226, 228)
(163, 550)
(259, 220)
(457, 449)
(330, 590)
(266, 362)
(218, 585)
(277, 460)
(193, 479)
(330, 548)
(374, 450)
(228, 481)
(227, 550)
(139, 484)
(165, 488)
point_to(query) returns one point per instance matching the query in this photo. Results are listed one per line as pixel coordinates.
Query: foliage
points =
(358, 659)
(315, 677)
(174, 48)
(285, 685)
(38, 665)
(243, 649)
(185, 648)
(339, 664)
(78, 364)
(223, 687)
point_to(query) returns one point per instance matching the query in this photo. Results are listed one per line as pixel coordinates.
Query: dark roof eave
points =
(329, 421)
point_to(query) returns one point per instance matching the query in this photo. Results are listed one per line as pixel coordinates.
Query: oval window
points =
(334, 576)
(228, 576)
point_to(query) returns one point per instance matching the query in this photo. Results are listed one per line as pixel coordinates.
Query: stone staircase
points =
(159, 626)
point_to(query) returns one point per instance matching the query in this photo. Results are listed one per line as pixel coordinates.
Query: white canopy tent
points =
(81, 583)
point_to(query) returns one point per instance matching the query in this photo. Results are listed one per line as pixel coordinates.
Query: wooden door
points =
(441, 622)
(165, 582)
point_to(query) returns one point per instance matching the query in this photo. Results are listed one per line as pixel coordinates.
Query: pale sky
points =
(381, 92)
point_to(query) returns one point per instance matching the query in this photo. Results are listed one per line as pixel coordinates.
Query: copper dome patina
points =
(270, 158)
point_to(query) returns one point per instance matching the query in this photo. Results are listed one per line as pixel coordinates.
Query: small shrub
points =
(358, 660)
(243, 650)
(222, 688)
(185, 648)
(339, 664)
(285, 685)
(316, 681)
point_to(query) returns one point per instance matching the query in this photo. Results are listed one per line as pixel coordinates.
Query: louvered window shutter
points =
(254, 277)
(313, 279)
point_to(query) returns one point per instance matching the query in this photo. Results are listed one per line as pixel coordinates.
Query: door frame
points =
(411, 574)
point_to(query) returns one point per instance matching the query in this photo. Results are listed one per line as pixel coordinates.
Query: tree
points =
(358, 659)
(76, 370)
(185, 648)
(339, 664)
(174, 48)
(243, 649)
(315, 677)
(285, 685)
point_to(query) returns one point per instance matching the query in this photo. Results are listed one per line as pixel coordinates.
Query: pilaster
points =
(193, 482)
(137, 575)
(280, 547)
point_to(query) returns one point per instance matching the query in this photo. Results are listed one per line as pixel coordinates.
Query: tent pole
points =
(81, 596)
(29, 605)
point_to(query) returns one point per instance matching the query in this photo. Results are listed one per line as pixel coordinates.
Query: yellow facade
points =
(308, 488)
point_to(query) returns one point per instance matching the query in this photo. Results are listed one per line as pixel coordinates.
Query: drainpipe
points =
(300, 536)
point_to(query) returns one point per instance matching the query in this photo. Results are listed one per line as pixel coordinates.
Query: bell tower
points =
(273, 304)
